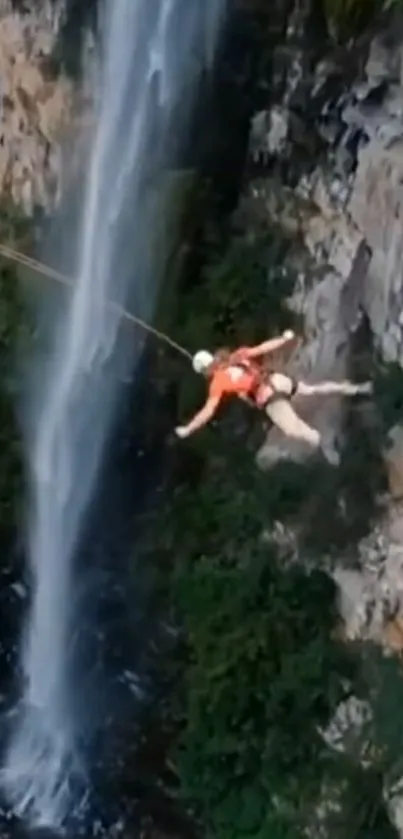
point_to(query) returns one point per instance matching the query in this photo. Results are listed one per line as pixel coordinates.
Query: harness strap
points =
(251, 367)
(278, 394)
(294, 386)
(248, 367)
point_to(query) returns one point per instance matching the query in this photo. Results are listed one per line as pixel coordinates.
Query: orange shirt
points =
(233, 378)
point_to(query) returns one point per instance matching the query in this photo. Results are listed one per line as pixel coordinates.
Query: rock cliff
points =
(326, 168)
(326, 159)
(40, 108)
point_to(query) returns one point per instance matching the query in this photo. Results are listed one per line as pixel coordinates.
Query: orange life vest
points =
(236, 376)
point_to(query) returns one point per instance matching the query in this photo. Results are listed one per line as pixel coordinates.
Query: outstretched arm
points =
(269, 346)
(201, 418)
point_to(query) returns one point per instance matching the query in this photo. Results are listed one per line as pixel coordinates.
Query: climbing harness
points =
(278, 394)
(263, 377)
(41, 268)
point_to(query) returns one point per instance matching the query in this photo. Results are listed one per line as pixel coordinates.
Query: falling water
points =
(151, 52)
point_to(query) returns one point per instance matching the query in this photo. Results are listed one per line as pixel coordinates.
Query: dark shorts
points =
(280, 395)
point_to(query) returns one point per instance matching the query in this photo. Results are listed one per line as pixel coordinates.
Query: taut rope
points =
(41, 268)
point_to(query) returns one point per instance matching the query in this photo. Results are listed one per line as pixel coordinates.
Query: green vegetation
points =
(237, 299)
(389, 393)
(13, 330)
(10, 456)
(260, 671)
(262, 674)
(237, 296)
(261, 668)
(347, 19)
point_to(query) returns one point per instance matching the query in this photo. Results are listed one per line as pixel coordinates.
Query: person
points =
(241, 374)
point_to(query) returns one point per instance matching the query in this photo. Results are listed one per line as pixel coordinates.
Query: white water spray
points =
(148, 71)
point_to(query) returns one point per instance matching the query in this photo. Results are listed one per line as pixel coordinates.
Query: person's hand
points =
(181, 431)
(289, 335)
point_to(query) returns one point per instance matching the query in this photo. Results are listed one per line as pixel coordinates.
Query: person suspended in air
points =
(242, 374)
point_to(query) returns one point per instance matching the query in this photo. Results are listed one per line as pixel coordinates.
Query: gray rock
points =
(393, 102)
(269, 132)
(362, 89)
(278, 130)
(384, 61)
(393, 458)
(376, 123)
(36, 112)
(376, 207)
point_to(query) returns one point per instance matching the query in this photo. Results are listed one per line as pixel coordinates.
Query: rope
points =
(40, 267)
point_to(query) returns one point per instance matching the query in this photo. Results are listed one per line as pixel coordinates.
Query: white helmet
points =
(202, 360)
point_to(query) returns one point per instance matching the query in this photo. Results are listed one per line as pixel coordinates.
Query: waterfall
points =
(151, 53)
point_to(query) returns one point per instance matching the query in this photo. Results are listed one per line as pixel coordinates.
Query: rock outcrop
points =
(39, 107)
(376, 206)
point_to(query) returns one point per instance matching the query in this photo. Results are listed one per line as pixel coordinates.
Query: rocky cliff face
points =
(40, 109)
(326, 167)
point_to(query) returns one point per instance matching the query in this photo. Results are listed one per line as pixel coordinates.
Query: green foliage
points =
(262, 671)
(263, 675)
(238, 296)
(389, 393)
(237, 299)
(392, 4)
(347, 19)
(13, 330)
(383, 677)
(361, 812)
(15, 226)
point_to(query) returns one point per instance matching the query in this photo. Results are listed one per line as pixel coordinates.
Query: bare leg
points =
(332, 388)
(282, 414)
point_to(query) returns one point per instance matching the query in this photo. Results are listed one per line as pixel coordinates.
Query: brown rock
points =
(37, 108)
(393, 458)
(393, 635)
